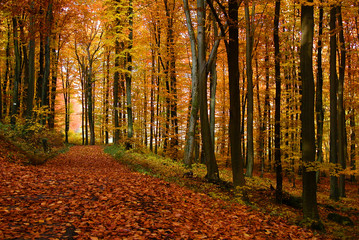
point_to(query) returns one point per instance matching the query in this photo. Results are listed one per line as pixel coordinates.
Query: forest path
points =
(86, 194)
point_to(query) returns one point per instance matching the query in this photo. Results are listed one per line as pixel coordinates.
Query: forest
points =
(263, 89)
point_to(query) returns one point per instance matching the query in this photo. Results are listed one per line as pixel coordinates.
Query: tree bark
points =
(129, 77)
(319, 92)
(208, 148)
(45, 81)
(310, 209)
(15, 100)
(234, 95)
(191, 132)
(277, 150)
(342, 138)
(249, 72)
(334, 188)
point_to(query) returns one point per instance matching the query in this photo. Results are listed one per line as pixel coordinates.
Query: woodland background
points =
(161, 74)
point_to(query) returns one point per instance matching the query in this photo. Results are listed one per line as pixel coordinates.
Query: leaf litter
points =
(86, 194)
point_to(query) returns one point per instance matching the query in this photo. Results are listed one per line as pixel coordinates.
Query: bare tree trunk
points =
(234, 95)
(319, 93)
(15, 100)
(277, 135)
(266, 117)
(129, 78)
(191, 132)
(334, 188)
(342, 138)
(249, 71)
(45, 80)
(310, 209)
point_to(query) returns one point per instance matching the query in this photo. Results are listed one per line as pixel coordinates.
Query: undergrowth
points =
(30, 143)
(175, 171)
(259, 190)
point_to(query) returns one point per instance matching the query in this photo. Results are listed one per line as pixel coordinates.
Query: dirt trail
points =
(86, 194)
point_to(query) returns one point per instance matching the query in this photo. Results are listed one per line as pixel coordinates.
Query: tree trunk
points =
(45, 81)
(6, 81)
(319, 93)
(310, 209)
(249, 71)
(213, 88)
(261, 124)
(129, 78)
(277, 150)
(191, 132)
(90, 104)
(116, 79)
(234, 95)
(107, 96)
(52, 97)
(352, 143)
(342, 138)
(152, 99)
(334, 189)
(266, 117)
(208, 148)
(15, 100)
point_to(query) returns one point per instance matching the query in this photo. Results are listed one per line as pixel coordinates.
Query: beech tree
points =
(310, 209)
(199, 90)
(277, 125)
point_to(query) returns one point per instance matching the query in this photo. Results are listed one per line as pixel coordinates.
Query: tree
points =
(342, 138)
(334, 189)
(199, 90)
(249, 71)
(31, 64)
(277, 125)
(234, 95)
(310, 209)
(319, 91)
(66, 87)
(129, 76)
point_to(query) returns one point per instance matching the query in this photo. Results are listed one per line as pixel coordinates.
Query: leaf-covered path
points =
(86, 194)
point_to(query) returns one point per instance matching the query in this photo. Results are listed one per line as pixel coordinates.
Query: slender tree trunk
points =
(172, 78)
(45, 80)
(15, 100)
(129, 78)
(152, 96)
(277, 151)
(266, 117)
(261, 124)
(249, 71)
(334, 188)
(213, 88)
(234, 95)
(116, 106)
(25, 67)
(145, 109)
(31, 83)
(351, 113)
(342, 138)
(90, 104)
(352, 143)
(107, 96)
(191, 132)
(310, 209)
(66, 94)
(319, 92)
(208, 148)
(52, 97)
(7, 72)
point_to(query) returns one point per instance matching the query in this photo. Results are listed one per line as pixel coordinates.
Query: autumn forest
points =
(259, 89)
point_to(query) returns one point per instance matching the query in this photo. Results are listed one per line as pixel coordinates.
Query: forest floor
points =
(87, 194)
